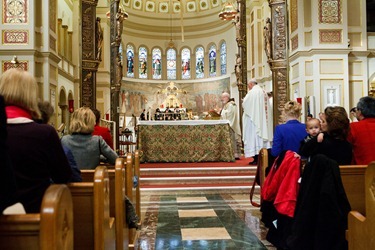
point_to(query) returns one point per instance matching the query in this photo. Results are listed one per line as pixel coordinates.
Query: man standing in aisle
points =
(257, 121)
(230, 112)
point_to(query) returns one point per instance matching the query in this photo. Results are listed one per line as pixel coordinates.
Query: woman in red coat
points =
(362, 133)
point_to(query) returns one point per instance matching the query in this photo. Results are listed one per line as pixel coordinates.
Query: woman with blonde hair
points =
(86, 148)
(288, 136)
(35, 150)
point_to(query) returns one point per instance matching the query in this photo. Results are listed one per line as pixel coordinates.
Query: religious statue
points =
(118, 70)
(237, 23)
(99, 39)
(237, 68)
(120, 16)
(267, 33)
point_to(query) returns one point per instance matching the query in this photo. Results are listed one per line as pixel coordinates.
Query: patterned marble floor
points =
(200, 220)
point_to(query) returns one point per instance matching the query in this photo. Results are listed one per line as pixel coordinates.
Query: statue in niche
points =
(118, 70)
(120, 17)
(267, 33)
(99, 39)
(237, 23)
(237, 68)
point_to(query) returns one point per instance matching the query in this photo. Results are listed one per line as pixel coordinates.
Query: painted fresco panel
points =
(200, 97)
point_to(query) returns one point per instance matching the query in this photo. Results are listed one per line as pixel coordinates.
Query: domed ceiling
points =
(161, 18)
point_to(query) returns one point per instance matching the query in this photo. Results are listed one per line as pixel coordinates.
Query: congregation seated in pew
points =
(86, 148)
(34, 150)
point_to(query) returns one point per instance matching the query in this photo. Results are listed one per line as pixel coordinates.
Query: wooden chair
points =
(361, 227)
(94, 228)
(353, 179)
(52, 228)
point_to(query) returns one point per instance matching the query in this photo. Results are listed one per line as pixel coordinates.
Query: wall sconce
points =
(71, 106)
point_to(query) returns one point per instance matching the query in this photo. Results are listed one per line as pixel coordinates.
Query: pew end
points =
(52, 228)
(94, 226)
(361, 227)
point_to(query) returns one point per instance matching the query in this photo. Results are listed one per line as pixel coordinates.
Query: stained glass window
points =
(171, 64)
(223, 58)
(199, 64)
(130, 61)
(212, 60)
(156, 64)
(185, 64)
(142, 65)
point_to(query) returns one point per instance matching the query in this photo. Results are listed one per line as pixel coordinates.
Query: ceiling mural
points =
(172, 6)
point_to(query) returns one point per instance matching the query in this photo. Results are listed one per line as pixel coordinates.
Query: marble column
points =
(279, 58)
(89, 61)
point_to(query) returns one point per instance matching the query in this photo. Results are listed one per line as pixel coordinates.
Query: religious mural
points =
(198, 97)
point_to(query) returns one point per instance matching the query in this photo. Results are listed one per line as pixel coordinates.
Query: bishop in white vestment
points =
(257, 120)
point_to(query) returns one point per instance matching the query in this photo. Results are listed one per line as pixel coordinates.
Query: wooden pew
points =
(353, 180)
(131, 194)
(137, 173)
(260, 175)
(52, 228)
(116, 176)
(361, 226)
(94, 228)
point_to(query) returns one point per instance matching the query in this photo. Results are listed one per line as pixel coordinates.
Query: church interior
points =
(172, 60)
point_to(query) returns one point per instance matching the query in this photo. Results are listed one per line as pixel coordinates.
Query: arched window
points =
(130, 61)
(142, 65)
(171, 64)
(212, 60)
(199, 62)
(185, 64)
(156, 64)
(223, 58)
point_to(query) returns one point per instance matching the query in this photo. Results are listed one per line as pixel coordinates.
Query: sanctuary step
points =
(169, 177)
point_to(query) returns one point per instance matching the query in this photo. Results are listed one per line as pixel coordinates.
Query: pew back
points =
(117, 182)
(94, 226)
(353, 179)
(52, 228)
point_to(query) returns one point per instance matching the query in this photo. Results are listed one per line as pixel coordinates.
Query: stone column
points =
(89, 61)
(279, 58)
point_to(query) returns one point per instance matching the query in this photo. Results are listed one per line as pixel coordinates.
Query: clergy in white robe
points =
(230, 112)
(257, 120)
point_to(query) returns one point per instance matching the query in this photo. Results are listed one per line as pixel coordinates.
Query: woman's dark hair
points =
(97, 115)
(367, 106)
(337, 122)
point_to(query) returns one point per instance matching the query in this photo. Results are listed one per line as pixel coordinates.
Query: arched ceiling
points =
(162, 18)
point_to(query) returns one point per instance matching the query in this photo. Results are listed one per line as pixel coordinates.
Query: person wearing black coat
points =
(322, 208)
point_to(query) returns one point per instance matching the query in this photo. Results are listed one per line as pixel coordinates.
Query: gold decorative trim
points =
(330, 36)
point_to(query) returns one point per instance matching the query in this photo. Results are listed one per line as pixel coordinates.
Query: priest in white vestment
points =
(230, 112)
(257, 121)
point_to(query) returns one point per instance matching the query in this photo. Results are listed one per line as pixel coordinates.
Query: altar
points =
(185, 141)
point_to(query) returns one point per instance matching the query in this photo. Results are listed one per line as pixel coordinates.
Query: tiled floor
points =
(200, 220)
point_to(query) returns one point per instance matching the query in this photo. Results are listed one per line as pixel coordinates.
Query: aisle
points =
(200, 220)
